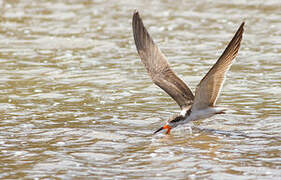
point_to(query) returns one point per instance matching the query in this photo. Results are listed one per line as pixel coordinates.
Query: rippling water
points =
(76, 102)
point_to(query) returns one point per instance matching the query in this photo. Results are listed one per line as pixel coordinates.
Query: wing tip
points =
(138, 30)
(136, 11)
(136, 14)
(136, 18)
(241, 28)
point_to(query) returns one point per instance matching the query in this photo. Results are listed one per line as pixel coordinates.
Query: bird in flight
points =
(193, 107)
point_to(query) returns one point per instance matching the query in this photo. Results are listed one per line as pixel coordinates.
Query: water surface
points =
(76, 102)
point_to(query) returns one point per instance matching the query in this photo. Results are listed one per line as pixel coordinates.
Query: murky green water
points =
(76, 102)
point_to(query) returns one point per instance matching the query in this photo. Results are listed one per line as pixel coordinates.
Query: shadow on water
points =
(225, 132)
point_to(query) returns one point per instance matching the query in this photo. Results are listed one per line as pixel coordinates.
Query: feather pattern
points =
(208, 90)
(158, 67)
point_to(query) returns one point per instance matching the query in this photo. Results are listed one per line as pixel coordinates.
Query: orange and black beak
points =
(164, 127)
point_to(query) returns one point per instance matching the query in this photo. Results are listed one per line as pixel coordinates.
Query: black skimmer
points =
(193, 107)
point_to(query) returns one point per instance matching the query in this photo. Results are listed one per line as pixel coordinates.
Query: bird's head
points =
(166, 126)
(172, 122)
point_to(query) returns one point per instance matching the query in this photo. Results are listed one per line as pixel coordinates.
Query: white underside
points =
(202, 114)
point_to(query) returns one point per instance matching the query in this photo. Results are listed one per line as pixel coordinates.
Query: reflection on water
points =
(76, 100)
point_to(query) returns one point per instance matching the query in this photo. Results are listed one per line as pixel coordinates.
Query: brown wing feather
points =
(158, 67)
(208, 89)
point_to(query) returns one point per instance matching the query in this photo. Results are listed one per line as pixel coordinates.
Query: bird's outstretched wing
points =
(208, 90)
(158, 67)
